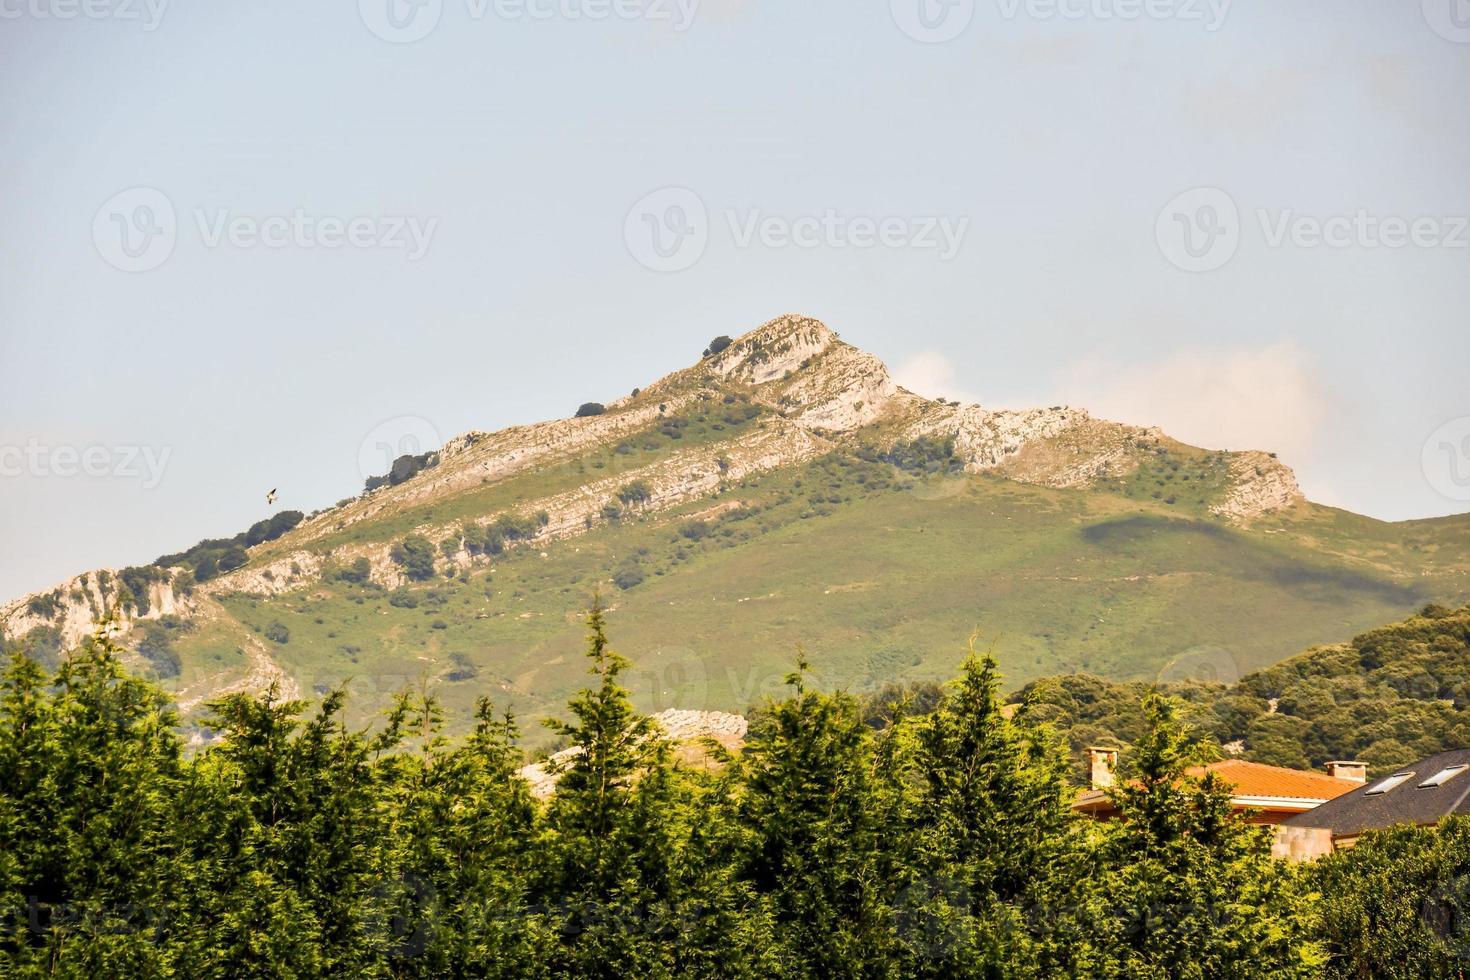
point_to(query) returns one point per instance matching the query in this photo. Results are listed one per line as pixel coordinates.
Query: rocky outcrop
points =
(278, 576)
(1261, 484)
(680, 725)
(76, 606)
(774, 350)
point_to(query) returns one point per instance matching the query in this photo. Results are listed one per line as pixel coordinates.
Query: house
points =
(1262, 794)
(1420, 794)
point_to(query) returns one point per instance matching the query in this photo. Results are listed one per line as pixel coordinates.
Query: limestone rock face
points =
(773, 350)
(80, 604)
(684, 724)
(1262, 484)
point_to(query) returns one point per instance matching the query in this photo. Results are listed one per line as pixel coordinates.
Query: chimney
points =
(1356, 771)
(1101, 761)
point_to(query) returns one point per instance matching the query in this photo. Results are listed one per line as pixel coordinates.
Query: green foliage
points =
(1398, 903)
(157, 647)
(812, 841)
(1185, 879)
(401, 598)
(212, 556)
(717, 345)
(41, 643)
(184, 582)
(1002, 855)
(893, 701)
(232, 558)
(587, 409)
(404, 468)
(694, 530)
(628, 574)
(44, 605)
(937, 844)
(90, 769)
(277, 632)
(137, 584)
(634, 493)
(416, 555)
(358, 573)
(924, 455)
(514, 527)
(477, 539)
(611, 829)
(1393, 695)
(272, 527)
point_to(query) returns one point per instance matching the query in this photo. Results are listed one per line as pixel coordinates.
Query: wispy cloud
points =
(1237, 398)
(933, 375)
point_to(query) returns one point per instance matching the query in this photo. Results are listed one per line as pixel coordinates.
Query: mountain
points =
(783, 491)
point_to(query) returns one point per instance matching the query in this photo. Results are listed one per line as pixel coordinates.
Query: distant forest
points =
(1390, 697)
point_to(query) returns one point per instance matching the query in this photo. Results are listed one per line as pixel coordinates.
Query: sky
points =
(267, 245)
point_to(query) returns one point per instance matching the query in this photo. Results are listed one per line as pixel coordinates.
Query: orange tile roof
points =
(1248, 779)
(1257, 779)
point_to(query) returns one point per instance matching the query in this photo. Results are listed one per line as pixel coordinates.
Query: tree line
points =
(1389, 697)
(832, 844)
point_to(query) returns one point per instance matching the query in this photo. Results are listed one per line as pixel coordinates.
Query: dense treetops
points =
(836, 844)
(213, 556)
(1390, 697)
(404, 468)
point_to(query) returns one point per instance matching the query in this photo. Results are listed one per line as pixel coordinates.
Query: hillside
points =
(782, 491)
(1391, 696)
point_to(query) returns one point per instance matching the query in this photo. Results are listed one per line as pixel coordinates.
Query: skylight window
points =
(1385, 785)
(1443, 776)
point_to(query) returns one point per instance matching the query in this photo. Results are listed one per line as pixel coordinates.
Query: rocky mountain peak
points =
(773, 349)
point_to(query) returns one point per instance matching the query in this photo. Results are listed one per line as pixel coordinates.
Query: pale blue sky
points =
(526, 142)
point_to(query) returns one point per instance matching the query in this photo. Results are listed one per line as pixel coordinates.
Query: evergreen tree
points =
(290, 859)
(1191, 889)
(996, 837)
(813, 846)
(611, 831)
(88, 770)
(462, 823)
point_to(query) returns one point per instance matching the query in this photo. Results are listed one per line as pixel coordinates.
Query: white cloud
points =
(931, 374)
(1242, 398)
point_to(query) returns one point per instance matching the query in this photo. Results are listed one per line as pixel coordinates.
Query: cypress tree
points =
(812, 841)
(611, 832)
(995, 834)
(1191, 889)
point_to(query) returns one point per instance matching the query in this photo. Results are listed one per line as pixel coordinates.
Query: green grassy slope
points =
(879, 575)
